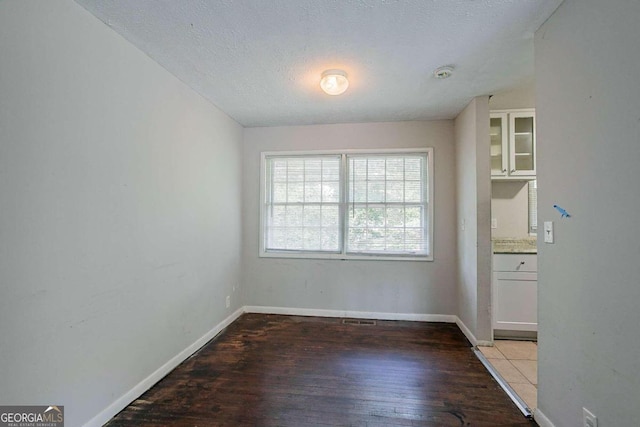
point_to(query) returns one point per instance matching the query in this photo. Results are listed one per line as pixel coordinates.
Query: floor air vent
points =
(358, 322)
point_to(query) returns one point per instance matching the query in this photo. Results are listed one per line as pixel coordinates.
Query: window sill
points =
(343, 257)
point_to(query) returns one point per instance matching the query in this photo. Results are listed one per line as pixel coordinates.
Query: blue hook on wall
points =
(564, 213)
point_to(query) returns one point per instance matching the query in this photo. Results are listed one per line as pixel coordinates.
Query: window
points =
(347, 205)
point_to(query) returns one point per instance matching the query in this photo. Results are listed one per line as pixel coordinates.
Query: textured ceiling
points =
(260, 60)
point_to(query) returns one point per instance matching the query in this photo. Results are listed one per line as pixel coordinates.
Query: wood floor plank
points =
(272, 370)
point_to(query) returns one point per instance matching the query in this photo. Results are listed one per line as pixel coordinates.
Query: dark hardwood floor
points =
(270, 370)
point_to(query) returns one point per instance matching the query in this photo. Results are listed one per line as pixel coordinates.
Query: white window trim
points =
(345, 256)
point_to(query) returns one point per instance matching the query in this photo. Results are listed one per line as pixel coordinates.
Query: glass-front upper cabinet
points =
(513, 144)
(499, 135)
(522, 143)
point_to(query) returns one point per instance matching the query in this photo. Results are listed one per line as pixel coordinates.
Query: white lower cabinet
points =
(515, 292)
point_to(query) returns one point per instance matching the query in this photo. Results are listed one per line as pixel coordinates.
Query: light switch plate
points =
(494, 223)
(548, 231)
(588, 419)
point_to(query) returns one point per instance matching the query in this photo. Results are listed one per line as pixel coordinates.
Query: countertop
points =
(506, 245)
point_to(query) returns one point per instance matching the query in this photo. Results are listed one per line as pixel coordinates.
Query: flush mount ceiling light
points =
(443, 72)
(334, 82)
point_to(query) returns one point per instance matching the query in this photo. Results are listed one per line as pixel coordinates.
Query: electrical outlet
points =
(463, 224)
(228, 301)
(494, 223)
(588, 419)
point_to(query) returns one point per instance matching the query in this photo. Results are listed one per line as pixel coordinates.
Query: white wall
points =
(510, 208)
(119, 223)
(366, 286)
(523, 96)
(588, 116)
(473, 192)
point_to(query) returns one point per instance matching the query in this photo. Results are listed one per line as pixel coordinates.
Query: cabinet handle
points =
(521, 262)
(504, 170)
(513, 170)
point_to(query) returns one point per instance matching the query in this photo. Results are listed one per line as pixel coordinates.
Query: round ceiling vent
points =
(443, 72)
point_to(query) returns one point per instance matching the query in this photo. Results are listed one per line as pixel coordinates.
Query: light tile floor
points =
(517, 363)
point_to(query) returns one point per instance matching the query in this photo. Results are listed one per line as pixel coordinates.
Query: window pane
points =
(331, 170)
(376, 239)
(395, 240)
(331, 192)
(312, 192)
(358, 217)
(295, 238)
(295, 170)
(313, 170)
(395, 169)
(277, 238)
(395, 191)
(294, 216)
(389, 217)
(395, 217)
(413, 217)
(413, 169)
(311, 239)
(279, 192)
(376, 168)
(278, 217)
(413, 192)
(375, 217)
(279, 170)
(414, 239)
(302, 203)
(330, 239)
(330, 216)
(295, 192)
(357, 239)
(375, 192)
(358, 169)
(311, 216)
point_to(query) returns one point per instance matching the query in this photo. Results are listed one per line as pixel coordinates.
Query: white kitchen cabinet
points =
(515, 289)
(498, 131)
(513, 144)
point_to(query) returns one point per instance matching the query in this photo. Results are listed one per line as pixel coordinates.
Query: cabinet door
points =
(522, 143)
(499, 144)
(515, 301)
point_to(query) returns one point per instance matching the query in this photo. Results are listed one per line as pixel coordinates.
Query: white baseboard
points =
(466, 331)
(541, 418)
(472, 338)
(415, 317)
(144, 385)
